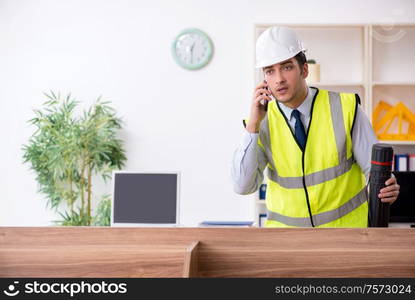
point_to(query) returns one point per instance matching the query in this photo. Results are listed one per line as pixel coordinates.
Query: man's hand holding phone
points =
(258, 107)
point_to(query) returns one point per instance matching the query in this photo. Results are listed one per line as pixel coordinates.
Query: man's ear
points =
(305, 70)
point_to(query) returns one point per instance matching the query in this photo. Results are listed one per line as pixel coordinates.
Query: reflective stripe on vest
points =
(320, 176)
(321, 218)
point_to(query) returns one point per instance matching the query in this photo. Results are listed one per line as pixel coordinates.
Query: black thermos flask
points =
(380, 171)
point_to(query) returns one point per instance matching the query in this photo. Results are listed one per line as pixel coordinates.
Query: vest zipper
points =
(306, 192)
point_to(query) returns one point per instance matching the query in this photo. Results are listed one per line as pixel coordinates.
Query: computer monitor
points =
(145, 199)
(403, 209)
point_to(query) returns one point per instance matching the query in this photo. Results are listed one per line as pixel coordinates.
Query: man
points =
(316, 144)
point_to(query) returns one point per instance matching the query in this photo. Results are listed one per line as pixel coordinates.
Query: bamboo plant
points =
(66, 151)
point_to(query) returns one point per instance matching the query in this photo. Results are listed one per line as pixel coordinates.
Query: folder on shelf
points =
(401, 162)
(262, 191)
(411, 162)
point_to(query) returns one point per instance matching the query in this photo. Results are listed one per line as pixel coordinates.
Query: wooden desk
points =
(206, 252)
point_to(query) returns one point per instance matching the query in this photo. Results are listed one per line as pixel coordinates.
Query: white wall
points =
(174, 119)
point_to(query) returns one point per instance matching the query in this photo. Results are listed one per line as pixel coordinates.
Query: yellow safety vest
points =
(321, 186)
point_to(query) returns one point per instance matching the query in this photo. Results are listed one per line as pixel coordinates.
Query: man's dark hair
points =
(301, 59)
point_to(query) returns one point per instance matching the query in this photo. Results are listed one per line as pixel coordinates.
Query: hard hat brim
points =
(276, 60)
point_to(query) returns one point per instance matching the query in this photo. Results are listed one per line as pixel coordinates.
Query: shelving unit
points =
(377, 61)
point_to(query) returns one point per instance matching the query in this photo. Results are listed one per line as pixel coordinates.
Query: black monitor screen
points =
(145, 198)
(403, 209)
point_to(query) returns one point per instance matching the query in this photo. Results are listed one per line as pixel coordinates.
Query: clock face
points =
(192, 49)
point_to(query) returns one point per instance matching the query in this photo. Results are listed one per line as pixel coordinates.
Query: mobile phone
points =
(263, 101)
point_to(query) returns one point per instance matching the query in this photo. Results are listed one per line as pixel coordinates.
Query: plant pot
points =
(313, 73)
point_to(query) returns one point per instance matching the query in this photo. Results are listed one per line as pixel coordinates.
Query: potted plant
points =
(66, 151)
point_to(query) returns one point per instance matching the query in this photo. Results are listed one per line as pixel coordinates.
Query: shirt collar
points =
(304, 108)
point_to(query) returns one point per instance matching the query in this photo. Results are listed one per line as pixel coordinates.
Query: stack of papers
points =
(226, 224)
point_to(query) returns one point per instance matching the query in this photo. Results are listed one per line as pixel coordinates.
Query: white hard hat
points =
(275, 45)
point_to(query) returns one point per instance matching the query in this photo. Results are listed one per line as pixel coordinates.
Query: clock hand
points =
(188, 50)
(191, 50)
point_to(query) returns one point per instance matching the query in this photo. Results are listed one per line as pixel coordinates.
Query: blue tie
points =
(299, 129)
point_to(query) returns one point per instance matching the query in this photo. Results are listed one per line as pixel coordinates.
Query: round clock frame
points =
(207, 54)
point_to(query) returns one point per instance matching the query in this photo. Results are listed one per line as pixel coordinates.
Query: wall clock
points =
(192, 49)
